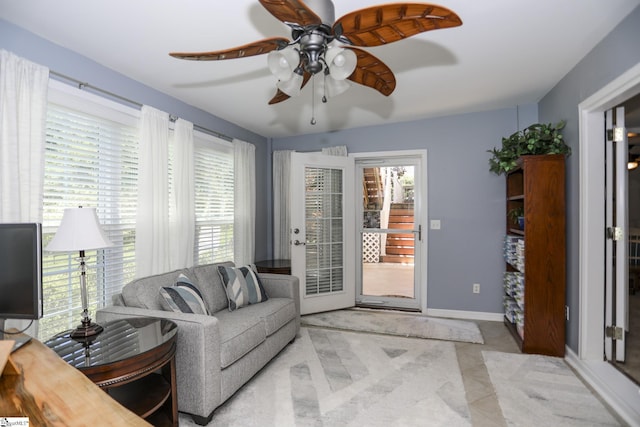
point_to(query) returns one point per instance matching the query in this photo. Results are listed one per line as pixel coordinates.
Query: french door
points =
(617, 240)
(622, 284)
(322, 243)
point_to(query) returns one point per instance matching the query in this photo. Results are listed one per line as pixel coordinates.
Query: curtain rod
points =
(173, 118)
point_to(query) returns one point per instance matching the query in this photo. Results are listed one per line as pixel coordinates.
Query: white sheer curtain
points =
(152, 219)
(182, 207)
(244, 200)
(23, 108)
(281, 204)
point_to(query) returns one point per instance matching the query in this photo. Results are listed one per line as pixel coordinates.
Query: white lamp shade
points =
(292, 86)
(341, 62)
(79, 230)
(335, 87)
(283, 62)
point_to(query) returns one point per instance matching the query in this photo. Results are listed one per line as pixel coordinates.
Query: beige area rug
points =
(538, 390)
(330, 378)
(400, 324)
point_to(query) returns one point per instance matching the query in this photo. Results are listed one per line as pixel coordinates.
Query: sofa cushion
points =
(275, 313)
(183, 297)
(145, 292)
(210, 285)
(239, 334)
(243, 286)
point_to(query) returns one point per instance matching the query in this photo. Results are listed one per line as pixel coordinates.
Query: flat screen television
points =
(20, 272)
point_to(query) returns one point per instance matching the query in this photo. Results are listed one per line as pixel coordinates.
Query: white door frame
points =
(611, 384)
(422, 199)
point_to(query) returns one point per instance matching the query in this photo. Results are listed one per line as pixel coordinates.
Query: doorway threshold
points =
(379, 305)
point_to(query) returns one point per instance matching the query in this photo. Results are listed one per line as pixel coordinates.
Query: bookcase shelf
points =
(537, 185)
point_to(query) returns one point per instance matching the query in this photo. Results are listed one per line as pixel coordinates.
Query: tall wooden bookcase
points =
(538, 185)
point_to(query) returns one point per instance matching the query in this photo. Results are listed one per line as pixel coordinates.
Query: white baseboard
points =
(620, 393)
(469, 315)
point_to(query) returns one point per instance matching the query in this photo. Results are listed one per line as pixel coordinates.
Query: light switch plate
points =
(435, 224)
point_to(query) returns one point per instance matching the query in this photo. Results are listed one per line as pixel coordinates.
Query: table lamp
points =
(80, 231)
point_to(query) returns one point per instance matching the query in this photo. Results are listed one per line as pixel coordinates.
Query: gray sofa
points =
(219, 353)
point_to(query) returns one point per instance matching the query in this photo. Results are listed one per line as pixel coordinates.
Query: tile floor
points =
(481, 397)
(382, 279)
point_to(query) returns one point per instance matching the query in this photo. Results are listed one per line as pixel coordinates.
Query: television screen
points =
(20, 271)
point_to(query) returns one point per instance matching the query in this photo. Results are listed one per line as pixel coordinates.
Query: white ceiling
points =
(506, 53)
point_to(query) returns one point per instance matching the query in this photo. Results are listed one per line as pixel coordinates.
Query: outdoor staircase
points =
(400, 247)
(372, 188)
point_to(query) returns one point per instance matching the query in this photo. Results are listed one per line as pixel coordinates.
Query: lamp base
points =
(86, 330)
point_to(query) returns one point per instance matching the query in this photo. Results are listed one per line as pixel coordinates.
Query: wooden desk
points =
(52, 393)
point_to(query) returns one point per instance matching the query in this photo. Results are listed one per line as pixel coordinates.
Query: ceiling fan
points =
(317, 40)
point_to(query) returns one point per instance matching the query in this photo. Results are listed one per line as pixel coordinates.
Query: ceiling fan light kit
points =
(315, 43)
(334, 87)
(283, 62)
(340, 62)
(292, 85)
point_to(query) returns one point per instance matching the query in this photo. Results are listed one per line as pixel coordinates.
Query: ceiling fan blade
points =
(256, 48)
(281, 96)
(378, 25)
(291, 12)
(372, 72)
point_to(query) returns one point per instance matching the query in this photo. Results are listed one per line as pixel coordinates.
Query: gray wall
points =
(462, 193)
(609, 59)
(69, 63)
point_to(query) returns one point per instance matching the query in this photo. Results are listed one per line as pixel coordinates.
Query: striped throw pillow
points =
(183, 297)
(242, 285)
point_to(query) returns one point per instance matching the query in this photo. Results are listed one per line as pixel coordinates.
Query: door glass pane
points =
(631, 365)
(323, 220)
(388, 239)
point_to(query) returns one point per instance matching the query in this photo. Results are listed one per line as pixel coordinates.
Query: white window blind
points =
(214, 202)
(323, 226)
(91, 161)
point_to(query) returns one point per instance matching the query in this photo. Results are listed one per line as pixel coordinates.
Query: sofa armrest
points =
(282, 286)
(197, 355)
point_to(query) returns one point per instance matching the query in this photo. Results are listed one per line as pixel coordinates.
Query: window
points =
(214, 200)
(91, 160)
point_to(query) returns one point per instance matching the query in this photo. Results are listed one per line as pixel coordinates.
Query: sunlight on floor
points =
(387, 279)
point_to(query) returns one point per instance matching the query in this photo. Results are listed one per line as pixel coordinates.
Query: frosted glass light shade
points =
(79, 230)
(292, 86)
(335, 87)
(283, 62)
(342, 62)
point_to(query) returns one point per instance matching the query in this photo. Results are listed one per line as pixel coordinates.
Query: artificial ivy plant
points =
(539, 138)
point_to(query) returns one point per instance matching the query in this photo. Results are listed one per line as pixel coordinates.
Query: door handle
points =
(298, 243)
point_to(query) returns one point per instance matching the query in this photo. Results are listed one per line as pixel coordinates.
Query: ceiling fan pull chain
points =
(324, 85)
(313, 100)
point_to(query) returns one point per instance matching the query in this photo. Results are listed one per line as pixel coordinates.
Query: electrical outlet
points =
(566, 312)
(476, 288)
